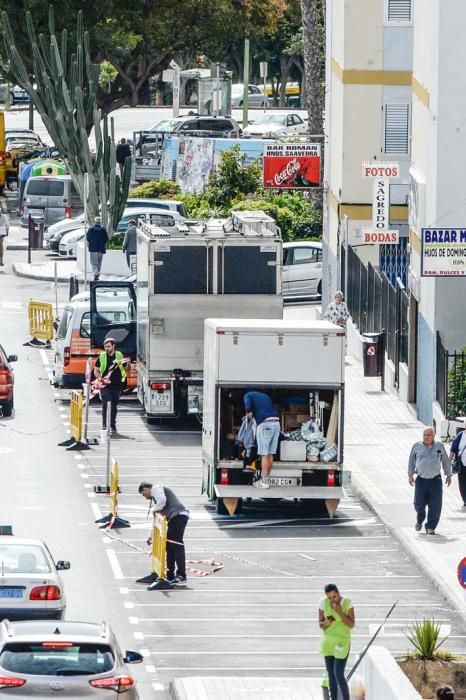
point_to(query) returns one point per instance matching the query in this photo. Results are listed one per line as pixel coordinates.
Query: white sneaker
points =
(261, 484)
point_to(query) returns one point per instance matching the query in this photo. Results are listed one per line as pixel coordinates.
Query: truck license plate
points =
(36, 212)
(282, 481)
(160, 400)
(11, 593)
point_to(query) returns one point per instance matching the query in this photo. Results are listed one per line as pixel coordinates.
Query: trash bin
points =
(373, 351)
(36, 232)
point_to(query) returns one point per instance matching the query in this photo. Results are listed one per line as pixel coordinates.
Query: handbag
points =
(457, 465)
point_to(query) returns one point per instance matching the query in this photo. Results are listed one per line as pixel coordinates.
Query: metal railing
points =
(450, 380)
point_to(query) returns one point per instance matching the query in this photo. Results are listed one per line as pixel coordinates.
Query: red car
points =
(6, 382)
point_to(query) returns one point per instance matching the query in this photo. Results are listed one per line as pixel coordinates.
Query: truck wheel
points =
(220, 507)
(152, 420)
(314, 507)
(7, 408)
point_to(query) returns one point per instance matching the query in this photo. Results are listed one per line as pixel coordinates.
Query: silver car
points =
(76, 659)
(256, 95)
(302, 269)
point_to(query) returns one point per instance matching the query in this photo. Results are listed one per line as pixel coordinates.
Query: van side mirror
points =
(12, 358)
(63, 565)
(133, 657)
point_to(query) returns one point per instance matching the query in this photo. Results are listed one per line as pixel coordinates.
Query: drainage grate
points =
(399, 630)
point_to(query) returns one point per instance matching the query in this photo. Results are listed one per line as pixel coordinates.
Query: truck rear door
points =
(113, 314)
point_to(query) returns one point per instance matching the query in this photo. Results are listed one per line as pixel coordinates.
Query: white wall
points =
(384, 679)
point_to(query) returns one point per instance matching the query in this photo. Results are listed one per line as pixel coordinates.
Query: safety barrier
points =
(112, 521)
(40, 316)
(75, 442)
(159, 545)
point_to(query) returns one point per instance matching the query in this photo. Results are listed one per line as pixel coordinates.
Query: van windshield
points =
(46, 188)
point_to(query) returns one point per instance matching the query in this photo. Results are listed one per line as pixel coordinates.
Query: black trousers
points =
(462, 483)
(109, 395)
(428, 494)
(176, 556)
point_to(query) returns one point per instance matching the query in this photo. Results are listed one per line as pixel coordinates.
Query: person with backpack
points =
(110, 365)
(336, 620)
(458, 459)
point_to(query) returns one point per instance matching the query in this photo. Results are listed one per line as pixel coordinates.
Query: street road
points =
(127, 120)
(256, 616)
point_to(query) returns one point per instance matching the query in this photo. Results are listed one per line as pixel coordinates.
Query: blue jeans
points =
(428, 494)
(336, 677)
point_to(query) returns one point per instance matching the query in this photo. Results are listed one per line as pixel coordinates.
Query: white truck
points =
(222, 267)
(300, 365)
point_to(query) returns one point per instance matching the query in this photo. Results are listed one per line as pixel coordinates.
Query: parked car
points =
(30, 586)
(55, 233)
(302, 269)
(196, 125)
(18, 94)
(161, 217)
(52, 197)
(256, 95)
(75, 659)
(6, 382)
(276, 126)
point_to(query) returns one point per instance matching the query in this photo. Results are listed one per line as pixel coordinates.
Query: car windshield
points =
(166, 125)
(271, 119)
(23, 559)
(63, 659)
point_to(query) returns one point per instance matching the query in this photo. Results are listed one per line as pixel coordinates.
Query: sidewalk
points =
(246, 688)
(379, 433)
(46, 270)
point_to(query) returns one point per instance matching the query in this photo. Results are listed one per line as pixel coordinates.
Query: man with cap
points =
(109, 365)
(97, 239)
(164, 501)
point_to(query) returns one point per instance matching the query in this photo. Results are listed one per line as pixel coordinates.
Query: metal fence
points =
(375, 303)
(451, 381)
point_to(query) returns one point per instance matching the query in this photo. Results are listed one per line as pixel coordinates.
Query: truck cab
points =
(300, 366)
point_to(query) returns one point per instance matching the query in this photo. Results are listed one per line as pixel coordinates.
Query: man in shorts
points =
(259, 406)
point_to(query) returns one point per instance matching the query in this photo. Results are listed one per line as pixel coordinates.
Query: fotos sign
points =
(292, 165)
(372, 168)
(443, 252)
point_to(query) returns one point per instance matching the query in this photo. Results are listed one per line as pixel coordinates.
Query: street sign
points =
(443, 252)
(462, 572)
(364, 236)
(373, 168)
(381, 204)
(263, 69)
(167, 75)
(292, 165)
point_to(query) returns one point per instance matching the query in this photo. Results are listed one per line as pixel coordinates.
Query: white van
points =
(51, 197)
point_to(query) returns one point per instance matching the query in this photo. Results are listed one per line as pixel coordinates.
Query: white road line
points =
(280, 652)
(139, 636)
(323, 577)
(239, 669)
(304, 556)
(370, 620)
(124, 590)
(117, 572)
(289, 591)
(272, 604)
(151, 669)
(278, 551)
(133, 620)
(44, 358)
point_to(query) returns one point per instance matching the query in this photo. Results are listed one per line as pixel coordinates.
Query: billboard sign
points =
(294, 166)
(443, 252)
(370, 237)
(373, 168)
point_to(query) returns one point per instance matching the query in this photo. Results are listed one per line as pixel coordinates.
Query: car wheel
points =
(7, 408)
(319, 288)
(240, 104)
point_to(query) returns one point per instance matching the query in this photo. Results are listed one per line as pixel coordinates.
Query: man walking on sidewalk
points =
(458, 453)
(97, 239)
(110, 362)
(426, 460)
(165, 502)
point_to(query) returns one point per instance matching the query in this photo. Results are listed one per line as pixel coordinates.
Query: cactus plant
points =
(64, 95)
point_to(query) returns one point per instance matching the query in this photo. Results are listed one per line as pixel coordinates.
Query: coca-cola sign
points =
(292, 165)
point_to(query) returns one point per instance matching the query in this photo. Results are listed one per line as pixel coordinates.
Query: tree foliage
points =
(139, 38)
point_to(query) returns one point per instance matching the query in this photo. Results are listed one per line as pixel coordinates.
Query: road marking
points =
(304, 556)
(373, 620)
(274, 551)
(289, 591)
(117, 572)
(311, 606)
(133, 620)
(45, 359)
(12, 305)
(139, 636)
(124, 590)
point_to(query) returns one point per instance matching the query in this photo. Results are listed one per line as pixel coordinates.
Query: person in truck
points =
(259, 406)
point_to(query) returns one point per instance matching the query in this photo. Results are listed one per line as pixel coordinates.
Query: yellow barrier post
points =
(112, 521)
(159, 553)
(40, 316)
(76, 423)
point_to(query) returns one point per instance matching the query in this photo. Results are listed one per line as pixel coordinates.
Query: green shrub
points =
(424, 636)
(116, 241)
(156, 189)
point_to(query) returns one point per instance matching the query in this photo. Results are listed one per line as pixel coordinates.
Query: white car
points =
(64, 226)
(256, 95)
(30, 586)
(277, 126)
(163, 218)
(302, 269)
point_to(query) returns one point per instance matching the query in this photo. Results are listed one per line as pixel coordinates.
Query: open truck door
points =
(113, 314)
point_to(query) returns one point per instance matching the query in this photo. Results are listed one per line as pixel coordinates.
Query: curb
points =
(39, 277)
(17, 246)
(427, 568)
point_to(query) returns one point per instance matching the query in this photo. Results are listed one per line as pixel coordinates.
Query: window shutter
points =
(397, 128)
(399, 11)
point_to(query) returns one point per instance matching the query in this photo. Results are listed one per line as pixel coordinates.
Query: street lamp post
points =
(245, 82)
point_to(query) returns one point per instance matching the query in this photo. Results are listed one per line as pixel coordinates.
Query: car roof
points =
(12, 539)
(303, 244)
(58, 630)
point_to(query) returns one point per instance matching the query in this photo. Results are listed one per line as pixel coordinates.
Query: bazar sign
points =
(443, 252)
(371, 168)
(292, 165)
